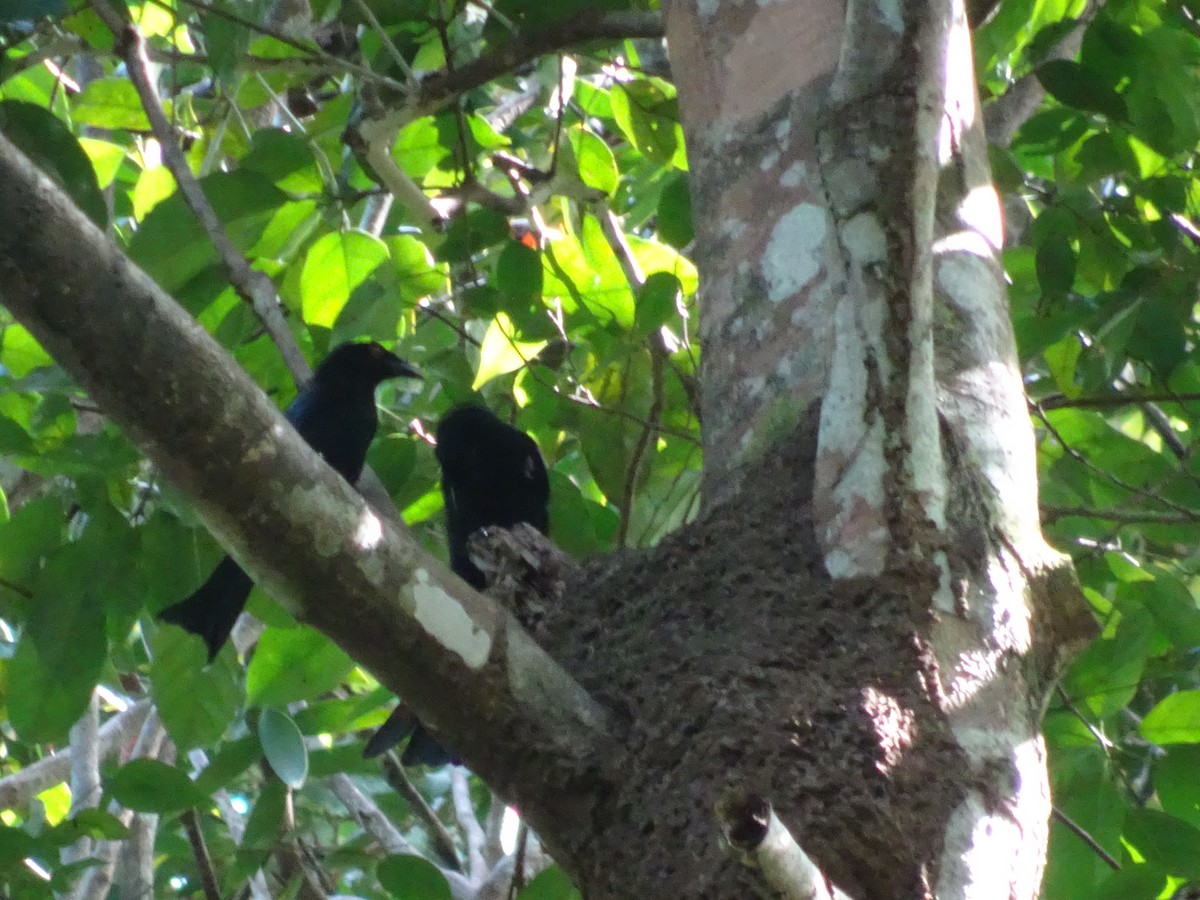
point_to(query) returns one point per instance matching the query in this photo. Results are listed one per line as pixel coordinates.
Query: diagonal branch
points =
(251, 285)
(462, 662)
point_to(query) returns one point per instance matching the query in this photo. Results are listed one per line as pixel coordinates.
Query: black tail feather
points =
(422, 749)
(211, 611)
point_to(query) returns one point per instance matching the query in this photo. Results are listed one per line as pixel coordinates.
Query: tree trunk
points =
(859, 631)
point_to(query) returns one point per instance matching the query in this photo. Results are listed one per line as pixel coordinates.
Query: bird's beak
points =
(400, 368)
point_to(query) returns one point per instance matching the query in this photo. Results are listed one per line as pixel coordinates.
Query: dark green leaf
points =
(1165, 840)
(675, 212)
(196, 701)
(294, 664)
(44, 138)
(148, 785)
(110, 103)
(283, 746)
(412, 878)
(550, 884)
(1070, 84)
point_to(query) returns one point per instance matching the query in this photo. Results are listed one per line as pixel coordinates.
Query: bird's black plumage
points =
(492, 476)
(335, 414)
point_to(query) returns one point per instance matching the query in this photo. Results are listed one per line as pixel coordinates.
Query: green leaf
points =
(1071, 84)
(675, 212)
(61, 653)
(154, 185)
(1175, 720)
(471, 234)
(98, 823)
(417, 275)
(262, 827)
(47, 141)
(172, 247)
(196, 701)
(519, 272)
(657, 303)
(286, 159)
(111, 103)
(1055, 265)
(647, 112)
(20, 353)
(550, 884)
(501, 353)
(412, 878)
(335, 266)
(283, 746)
(148, 785)
(1165, 840)
(419, 148)
(606, 292)
(1062, 357)
(293, 664)
(597, 166)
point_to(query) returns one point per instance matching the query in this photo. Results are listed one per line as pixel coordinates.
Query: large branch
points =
(460, 661)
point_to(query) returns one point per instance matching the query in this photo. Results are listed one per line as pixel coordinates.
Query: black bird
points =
(492, 476)
(335, 414)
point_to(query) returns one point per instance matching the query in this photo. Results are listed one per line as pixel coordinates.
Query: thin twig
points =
(1051, 512)
(204, 863)
(464, 811)
(1104, 473)
(1092, 843)
(1061, 401)
(443, 844)
(253, 286)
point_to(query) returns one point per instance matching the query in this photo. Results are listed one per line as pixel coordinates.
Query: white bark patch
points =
(733, 228)
(794, 175)
(865, 241)
(769, 160)
(850, 467)
(444, 618)
(266, 446)
(891, 16)
(995, 852)
(367, 537)
(306, 497)
(980, 209)
(792, 257)
(369, 531)
(783, 133)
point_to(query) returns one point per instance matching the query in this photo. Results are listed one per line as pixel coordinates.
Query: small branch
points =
(439, 91)
(1104, 473)
(1080, 833)
(370, 818)
(1052, 512)
(464, 811)
(252, 286)
(386, 40)
(443, 844)
(764, 843)
(204, 863)
(85, 773)
(17, 789)
(337, 62)
(1112, 401)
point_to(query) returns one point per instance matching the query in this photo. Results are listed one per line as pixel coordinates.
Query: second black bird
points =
(335, 414)
(492, 476)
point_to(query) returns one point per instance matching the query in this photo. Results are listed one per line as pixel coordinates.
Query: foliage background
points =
(560, 290)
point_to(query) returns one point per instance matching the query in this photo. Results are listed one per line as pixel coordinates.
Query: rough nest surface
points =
(736, 662)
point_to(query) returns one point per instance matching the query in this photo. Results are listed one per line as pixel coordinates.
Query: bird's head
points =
(363, 363)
